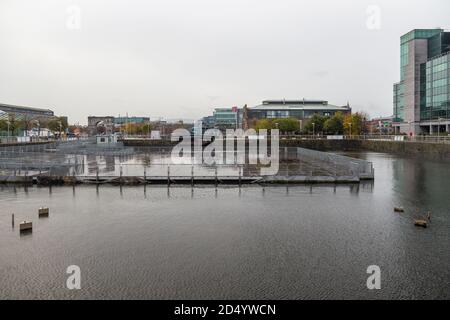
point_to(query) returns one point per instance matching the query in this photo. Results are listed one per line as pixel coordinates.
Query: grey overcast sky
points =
(180, 58)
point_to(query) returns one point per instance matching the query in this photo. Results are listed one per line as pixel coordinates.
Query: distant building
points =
(133, 120)
(101, 124)
(226, 118)
(422, 97)
(208, 122)
(240, 118)
(24, 113)
(382, 125)
(299, 109)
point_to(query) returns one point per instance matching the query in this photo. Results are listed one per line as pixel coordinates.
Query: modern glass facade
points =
(423, 91)
(437, 89)
(226, 117)
(125, 120)
(399, 102)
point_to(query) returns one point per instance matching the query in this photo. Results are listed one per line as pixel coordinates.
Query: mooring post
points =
(168, 175)
(287, 174)
(335, 169)
(96, 174)
(192, 175)
(12, 218)
(215, 173)
(121, 173)
(145, 174)
(240, 174)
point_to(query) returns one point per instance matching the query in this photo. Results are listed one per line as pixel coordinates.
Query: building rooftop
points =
(419, 34)
(22, 108)
(298, 105)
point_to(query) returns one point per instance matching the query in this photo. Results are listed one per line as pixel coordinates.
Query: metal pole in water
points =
(12, 217)
(192, 175)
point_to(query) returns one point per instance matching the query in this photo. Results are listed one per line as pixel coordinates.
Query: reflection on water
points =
(256, 242)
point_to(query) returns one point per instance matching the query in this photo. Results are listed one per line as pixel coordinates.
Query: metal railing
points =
(374, 137)
(377, 137)
(85, 159)
(338, 164)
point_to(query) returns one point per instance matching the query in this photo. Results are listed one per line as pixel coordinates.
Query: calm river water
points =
(299, 242)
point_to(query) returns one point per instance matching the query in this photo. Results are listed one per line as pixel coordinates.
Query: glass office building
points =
(128, 120)
(421, 98)
(226, 118)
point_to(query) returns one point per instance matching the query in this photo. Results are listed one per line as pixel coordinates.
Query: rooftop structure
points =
(24, 113)
(300, 109)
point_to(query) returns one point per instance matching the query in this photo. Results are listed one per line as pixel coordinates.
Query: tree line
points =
(16, 126)
(338, 124)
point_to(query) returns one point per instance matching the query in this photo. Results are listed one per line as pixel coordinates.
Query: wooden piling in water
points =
(43, 212)
(26, 225)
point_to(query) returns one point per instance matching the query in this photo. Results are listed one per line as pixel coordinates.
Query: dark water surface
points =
(274, 243)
